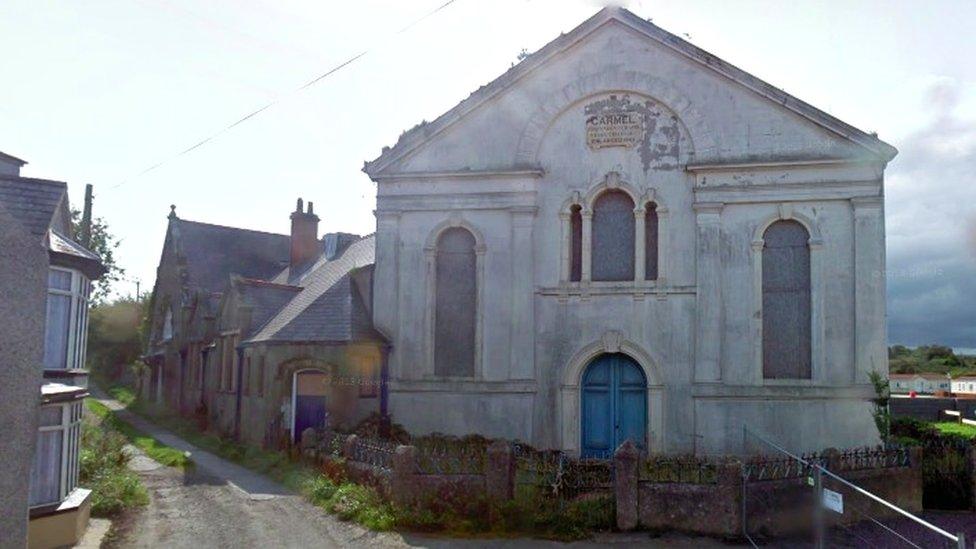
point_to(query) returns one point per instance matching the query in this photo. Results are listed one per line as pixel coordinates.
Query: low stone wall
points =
(927, 409)
(783, 506)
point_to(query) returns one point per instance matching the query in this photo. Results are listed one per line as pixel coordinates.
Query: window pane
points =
(56, 334)
(650, 242)
(576, 244)
(613, 237)
(786, 301)
(455, 304)
(50, 416)
(45, 485)
(59, 280)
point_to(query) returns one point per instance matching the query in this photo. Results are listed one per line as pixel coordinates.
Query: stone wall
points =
(778, 507)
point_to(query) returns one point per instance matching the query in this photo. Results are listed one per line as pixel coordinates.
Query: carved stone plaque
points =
(614, 128)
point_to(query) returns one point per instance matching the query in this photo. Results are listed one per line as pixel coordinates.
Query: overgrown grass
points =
(952, 428)
(152, 447)
(103, 469)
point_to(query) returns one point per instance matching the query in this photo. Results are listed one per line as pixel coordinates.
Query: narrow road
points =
(221, 504)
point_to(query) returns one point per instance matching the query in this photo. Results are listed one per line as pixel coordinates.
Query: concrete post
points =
(500, 472)
(349, 447)
(971, 465)
(625, 461)
(403, 483)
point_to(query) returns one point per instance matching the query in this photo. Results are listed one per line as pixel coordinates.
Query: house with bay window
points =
(39, 209)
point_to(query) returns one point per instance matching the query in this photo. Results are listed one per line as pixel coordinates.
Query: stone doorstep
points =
(75, 500)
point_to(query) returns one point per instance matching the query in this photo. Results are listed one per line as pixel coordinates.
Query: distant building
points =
(923, 384)
(964, 385)
(263, 335)
(45, 302)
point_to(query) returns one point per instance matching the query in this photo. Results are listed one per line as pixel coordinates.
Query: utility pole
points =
(137, 289)
(86, 218)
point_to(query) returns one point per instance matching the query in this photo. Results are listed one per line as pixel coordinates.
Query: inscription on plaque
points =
(623, 128)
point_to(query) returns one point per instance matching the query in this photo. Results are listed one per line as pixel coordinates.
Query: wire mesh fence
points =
(804, 501)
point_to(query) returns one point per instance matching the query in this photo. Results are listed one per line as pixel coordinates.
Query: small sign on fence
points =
(833, 500)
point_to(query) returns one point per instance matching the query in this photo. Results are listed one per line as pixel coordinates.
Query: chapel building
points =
(626, 237)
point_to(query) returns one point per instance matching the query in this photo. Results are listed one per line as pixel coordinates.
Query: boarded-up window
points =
(575, 244)
(786, 301)
(650, 241)
(613, 237)
(455, 303)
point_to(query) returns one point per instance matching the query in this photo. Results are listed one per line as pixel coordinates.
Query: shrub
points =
(104, 469)
(946, 480)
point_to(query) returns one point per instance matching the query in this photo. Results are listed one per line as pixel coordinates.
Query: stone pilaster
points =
(522, 361)
(870, 341)
(708, 325)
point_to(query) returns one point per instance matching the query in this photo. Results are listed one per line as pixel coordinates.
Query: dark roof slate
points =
(265, 299)
(32, 202)
(329, 308)
(214, 252)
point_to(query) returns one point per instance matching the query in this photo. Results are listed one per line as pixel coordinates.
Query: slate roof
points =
(64, 245)
(214, 252)
(331, 306)
(32, 202)
(265, 299)
(414, 138)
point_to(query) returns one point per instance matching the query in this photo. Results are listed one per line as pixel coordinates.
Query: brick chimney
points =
(304, 234)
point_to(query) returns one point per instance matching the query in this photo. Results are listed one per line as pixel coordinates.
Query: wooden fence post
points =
(625, 488)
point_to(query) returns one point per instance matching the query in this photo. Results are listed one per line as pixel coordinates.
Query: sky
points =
(100, 91)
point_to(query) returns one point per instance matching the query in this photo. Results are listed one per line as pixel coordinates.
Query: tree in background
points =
(115, 339)
(104, 244)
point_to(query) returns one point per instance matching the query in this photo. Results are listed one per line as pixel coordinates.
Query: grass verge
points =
(952, 428)
(103, 469)
(153, 448)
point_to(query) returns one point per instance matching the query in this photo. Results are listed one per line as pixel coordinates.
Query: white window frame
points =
(79, 296)
(70, 428)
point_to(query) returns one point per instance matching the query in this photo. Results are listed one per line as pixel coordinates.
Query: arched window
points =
(575, 243)
(455, 303)
(650, 241)
(612, 256)
(786, 301)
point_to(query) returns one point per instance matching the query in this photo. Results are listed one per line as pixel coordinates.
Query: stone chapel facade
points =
(624, 236)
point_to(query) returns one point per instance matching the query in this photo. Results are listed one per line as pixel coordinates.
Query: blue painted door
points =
(614, 405)
(309, 412)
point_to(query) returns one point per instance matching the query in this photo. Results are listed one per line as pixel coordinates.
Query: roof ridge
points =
(269, 284)
(230, 227)
(52, 182)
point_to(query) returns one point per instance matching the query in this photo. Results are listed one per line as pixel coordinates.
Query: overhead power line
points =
(276, 100)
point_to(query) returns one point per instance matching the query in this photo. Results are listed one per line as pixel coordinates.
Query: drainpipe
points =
(384, 392)
(240, 386)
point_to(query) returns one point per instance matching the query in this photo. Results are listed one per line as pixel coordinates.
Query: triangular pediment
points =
(549, 80)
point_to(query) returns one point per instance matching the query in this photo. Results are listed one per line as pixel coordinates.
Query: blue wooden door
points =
(614, 405)
(309, 412)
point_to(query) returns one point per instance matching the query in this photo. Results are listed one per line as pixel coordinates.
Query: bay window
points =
(66, 331)
(54, 473)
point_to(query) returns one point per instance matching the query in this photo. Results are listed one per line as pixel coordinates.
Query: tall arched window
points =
(650, 241)
(612, 256)
(456, 303)
(786, 301)
(575, 243)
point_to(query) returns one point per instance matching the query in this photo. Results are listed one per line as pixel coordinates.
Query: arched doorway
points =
(614, 405)
(308, 401)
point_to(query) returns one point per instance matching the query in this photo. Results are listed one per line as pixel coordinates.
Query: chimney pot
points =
(304, 235)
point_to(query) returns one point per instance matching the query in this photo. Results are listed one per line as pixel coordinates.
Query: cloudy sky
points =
(99, 91)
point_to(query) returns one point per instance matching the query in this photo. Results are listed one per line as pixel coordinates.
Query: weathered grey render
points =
(623, 193)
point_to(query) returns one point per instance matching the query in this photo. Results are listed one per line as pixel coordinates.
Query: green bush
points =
(104, 470)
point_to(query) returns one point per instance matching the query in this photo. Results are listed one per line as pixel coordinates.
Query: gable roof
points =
(412, 139)
(32, 202)
(330, 307)
(214, 252)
